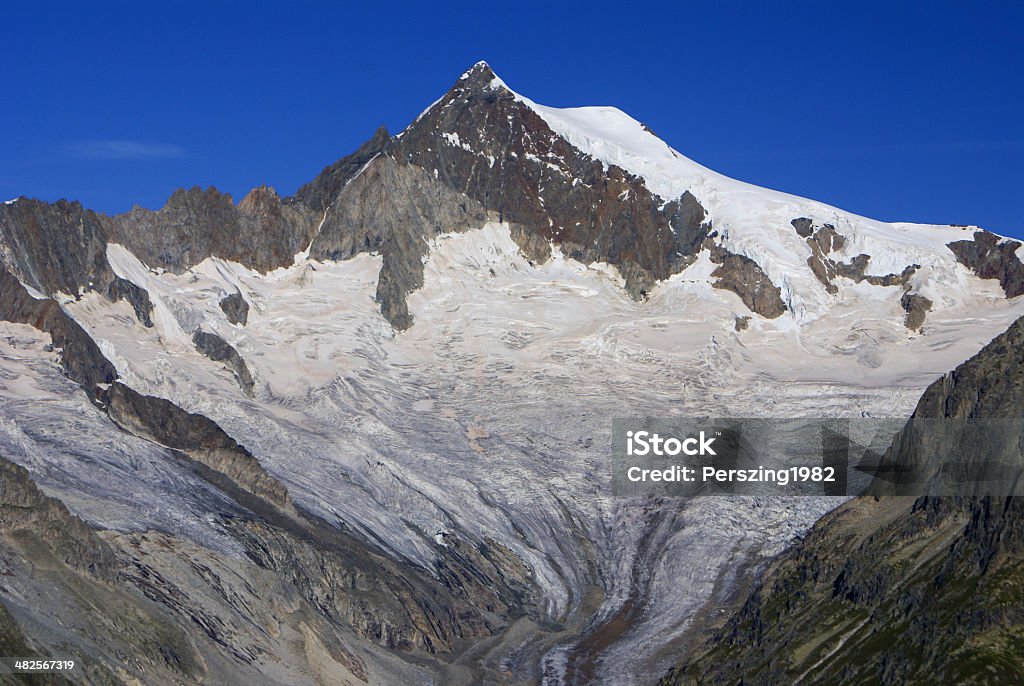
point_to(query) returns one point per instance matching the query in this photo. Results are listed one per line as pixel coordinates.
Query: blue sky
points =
(897, 111)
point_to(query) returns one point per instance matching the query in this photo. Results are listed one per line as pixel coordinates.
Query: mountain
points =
(896, 589)
(360, 434)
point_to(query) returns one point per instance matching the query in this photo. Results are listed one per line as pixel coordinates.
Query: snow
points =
(32, 291)
(756, 222)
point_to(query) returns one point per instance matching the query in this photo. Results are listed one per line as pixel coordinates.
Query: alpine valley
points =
(361, 435)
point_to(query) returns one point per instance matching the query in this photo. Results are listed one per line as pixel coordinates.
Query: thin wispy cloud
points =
(127, 150)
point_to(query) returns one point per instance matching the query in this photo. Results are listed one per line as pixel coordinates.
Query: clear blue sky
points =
(899, 111)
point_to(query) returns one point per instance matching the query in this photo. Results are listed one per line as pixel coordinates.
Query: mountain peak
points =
(480, 76)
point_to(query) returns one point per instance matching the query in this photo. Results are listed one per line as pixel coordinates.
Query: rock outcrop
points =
(54, 247)
(917, 307)
(235, 308)
(219, 350)
(196, 436)
(824, 240)
(745, 278)
(321, 192)
(25, 510)
(990, 257)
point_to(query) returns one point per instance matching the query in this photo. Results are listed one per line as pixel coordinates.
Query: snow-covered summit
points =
(530, 163)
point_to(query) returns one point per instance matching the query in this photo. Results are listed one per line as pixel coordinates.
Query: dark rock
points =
(321, 193)
(219, 350)
(235, 308)
(855, 268)
(742, 323)
(989, 385)
(62, 248)
(917, 307)
(261, 232)
(687, 219)
(824, 270)
(990, 258)
(197, 436)
(123, 289)
(745, 278)
(483, 142)
(55, 247)
(803, 226)
(825, 240)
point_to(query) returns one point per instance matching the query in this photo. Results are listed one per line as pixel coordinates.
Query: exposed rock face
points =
(992, 258)
(804, 226)
(54, 247)
(743, 276)
(917, 307)
(219, 350)
(989, 385)
(824, 240)
(123, 289)
(856, 268)
(896, 590)
(480, 154)
(196, 435)
(23, 508)
(393, 208)
(61, 248)
(321, 193)
(482, 141)
(383, 601)
(235, 308)
(261, 232)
